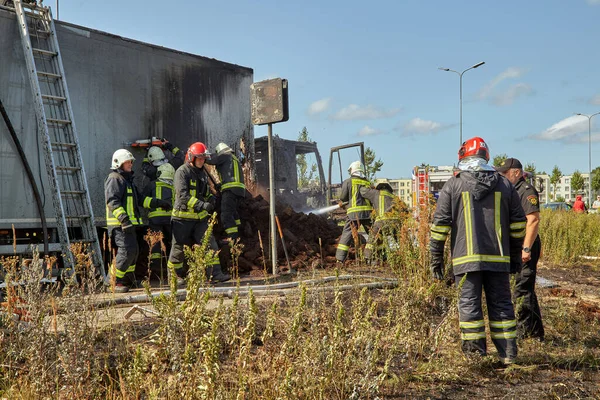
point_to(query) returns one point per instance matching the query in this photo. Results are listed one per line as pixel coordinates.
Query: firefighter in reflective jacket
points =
(158, 198)
(358, 209)
(382, 198)
(529, 316)
(482, 212)
(232, 188)
(189, 218)
(156, 157)
(122, 216)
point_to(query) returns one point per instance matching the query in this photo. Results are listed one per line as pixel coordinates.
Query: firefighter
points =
(156, 156)
(191, 209)
(529, 317)
(358, 209)
(158, 198)
(122, 216)
(482, 212)
(231, 186)
(382, 198)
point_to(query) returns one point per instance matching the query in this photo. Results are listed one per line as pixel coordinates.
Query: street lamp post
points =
(589, 117)
(460, 74)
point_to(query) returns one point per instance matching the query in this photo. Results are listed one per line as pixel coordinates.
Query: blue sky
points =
(367, 71)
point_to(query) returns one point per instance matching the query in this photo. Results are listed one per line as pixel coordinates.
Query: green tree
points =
(372, 166)
(306, 174)
(555, 178)
(595, 179)
(576, 182)
(530, 167)
(499, 159)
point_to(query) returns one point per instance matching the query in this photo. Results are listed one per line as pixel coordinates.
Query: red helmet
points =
(197, 149)
(474, 147)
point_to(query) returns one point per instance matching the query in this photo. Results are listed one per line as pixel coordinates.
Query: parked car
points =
(556, 206)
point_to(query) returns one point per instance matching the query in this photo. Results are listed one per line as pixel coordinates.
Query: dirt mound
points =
(301, 232)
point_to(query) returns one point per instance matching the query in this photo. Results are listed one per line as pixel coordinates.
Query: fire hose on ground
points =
(278, 289)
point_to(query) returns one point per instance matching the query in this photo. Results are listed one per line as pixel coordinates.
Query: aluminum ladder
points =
(56, 127)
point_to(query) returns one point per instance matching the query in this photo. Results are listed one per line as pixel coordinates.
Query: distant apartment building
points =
(563, 188)
(401, 187)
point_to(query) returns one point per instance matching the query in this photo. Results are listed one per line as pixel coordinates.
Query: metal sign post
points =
(272, 191)
(270, 105)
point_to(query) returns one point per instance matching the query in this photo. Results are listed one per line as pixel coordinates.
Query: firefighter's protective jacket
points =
(123, 200)
(191, 192)
(382, 201)
(158, 190)
(230, 173)
(482, 212)
(358, 207)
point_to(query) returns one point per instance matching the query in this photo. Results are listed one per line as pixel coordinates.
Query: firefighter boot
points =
(120, 286)
(215, 275)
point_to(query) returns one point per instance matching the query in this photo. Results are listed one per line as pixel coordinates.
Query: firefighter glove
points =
(127, 226)
(341, 204)
(437, 266)
(168, 145)
(164, 204)
(208, 206)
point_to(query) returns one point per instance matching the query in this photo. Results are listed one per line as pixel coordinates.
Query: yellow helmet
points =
(165, 172)
(155, 155)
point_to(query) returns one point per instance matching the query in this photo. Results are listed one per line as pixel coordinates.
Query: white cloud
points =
(566, 130)
(319, 106)
(511, 94)
(593, 2)
(418, 126)
(596, 99)
(510, 73)
(354, 112)
(368, 131)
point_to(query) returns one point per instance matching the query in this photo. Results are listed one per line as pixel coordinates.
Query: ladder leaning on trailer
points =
(56, 125)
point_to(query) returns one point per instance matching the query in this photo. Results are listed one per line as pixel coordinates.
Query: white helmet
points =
(166, 172)
(223, 148)
(357, 169)
(119, 157)
(156, 155)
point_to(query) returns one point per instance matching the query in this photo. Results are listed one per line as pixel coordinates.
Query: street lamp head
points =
(578, 114)
(478, 64)
(444, 69)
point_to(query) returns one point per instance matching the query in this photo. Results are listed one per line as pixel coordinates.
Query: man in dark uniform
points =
(192, 207)
(231, 186)
(123, 203)
(482, 212)
(382, 198)
(358, 209)
(529, 317)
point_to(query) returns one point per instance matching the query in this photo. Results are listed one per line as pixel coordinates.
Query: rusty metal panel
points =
(269, 101)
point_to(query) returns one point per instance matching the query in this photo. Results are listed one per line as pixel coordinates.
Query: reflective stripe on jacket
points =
(191, 191)
(230, 173)
(484, 215)
(163, 191)
(122, 198)
(382, 201)
(358, 206)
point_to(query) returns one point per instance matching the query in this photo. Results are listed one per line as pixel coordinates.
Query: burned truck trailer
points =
(121, 91)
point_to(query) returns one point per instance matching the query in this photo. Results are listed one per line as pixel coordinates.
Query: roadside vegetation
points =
(306, 344)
